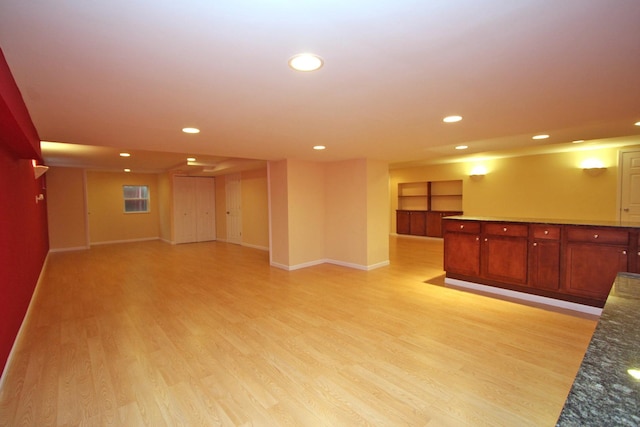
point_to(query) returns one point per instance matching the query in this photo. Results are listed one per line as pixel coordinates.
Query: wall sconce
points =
(478, 172)
(38, 170)
(593, 167)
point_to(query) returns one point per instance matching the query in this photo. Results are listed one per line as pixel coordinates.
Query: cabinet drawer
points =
(598, 235)
(512, 230)
(546, 232)
(471, 227)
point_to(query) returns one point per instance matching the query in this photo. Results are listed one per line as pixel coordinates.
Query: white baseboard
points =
(111, 242)
(262, 248)
(330, 261)
(77, 248)
(455, 283)
(7, 365)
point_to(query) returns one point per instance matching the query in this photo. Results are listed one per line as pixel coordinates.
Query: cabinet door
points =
(184, 209)
(504, 259)
(544, 257)
(434, 224)
(591, 268)
(418, 226)
(544, 264)
(402, 222)
(462, 253)
(205, 209)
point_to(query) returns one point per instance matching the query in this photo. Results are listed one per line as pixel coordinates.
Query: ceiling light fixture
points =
(191, 159)
(637, 123)
(577, 141)
(462, 147)
(190, 130)
(540, 136)
(306, 62)
(127, 170)
(125, 155)
(452, 119)
(319, 147)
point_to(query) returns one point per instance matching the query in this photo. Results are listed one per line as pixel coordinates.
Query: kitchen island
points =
(571, 264)
(603, 392)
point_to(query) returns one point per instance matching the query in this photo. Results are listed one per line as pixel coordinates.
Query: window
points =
(136, 198)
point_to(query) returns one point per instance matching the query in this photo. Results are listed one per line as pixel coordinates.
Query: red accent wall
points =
(24, 241)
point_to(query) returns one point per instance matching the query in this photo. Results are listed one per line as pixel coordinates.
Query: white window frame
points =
(139, 198)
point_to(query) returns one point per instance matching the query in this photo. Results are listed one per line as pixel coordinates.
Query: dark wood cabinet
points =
(403, 222)
(544, 257)
(462, 248)
(592, 258)
(576, 263)
(411, 222)
(504, 252)
(434, 222)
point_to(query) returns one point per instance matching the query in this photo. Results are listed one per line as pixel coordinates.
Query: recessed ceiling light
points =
(319, 147)
(191, 159)
(577, 141)
(306, 62)
(125, 155)
(540, 137)
(462, 147)
(637, 123)
(452, 119)
(127, 170)
(190, 130)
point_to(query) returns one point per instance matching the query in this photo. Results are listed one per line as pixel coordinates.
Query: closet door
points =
(206, 209)
(184, 209)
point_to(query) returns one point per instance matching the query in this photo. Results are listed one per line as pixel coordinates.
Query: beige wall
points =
(551, 186)
(377, 213)
(306, 214)
(255, 209)
(320, 212)
(66, 209)
(107, 220)
(278, 213)
(346, 211)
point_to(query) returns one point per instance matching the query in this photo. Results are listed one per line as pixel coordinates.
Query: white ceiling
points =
(130, 74)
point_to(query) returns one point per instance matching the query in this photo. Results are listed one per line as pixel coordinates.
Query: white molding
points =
(524, 296)
(27, 314)
(358, 266)
(76, 248)
(330, 261)
(262, 248)
(111, 242)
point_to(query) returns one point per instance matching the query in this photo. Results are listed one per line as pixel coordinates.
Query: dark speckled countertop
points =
(603, 392)
(593, 223)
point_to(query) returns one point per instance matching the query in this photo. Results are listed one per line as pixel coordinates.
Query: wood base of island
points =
(565, 261)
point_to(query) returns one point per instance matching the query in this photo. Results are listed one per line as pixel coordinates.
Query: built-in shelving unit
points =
(422, 205)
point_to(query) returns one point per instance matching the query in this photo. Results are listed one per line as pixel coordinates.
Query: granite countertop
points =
(603, 392)
(550, 221)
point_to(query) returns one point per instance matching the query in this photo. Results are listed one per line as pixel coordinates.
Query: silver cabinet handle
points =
(595, 236)
(624, 252)
(504, 229)
(462, 227)
(486, 240)
(535, 244)
(546, 231)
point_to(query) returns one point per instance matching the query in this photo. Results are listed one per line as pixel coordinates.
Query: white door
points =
(184, 209)
(206, 209)
(234, 208)
(630, 187)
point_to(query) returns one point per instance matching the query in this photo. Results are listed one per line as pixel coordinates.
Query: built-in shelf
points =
(421, 206)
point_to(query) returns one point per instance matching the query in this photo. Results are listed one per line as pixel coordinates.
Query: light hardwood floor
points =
(208, 334)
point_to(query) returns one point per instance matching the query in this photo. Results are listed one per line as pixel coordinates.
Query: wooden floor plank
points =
(154, 334)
